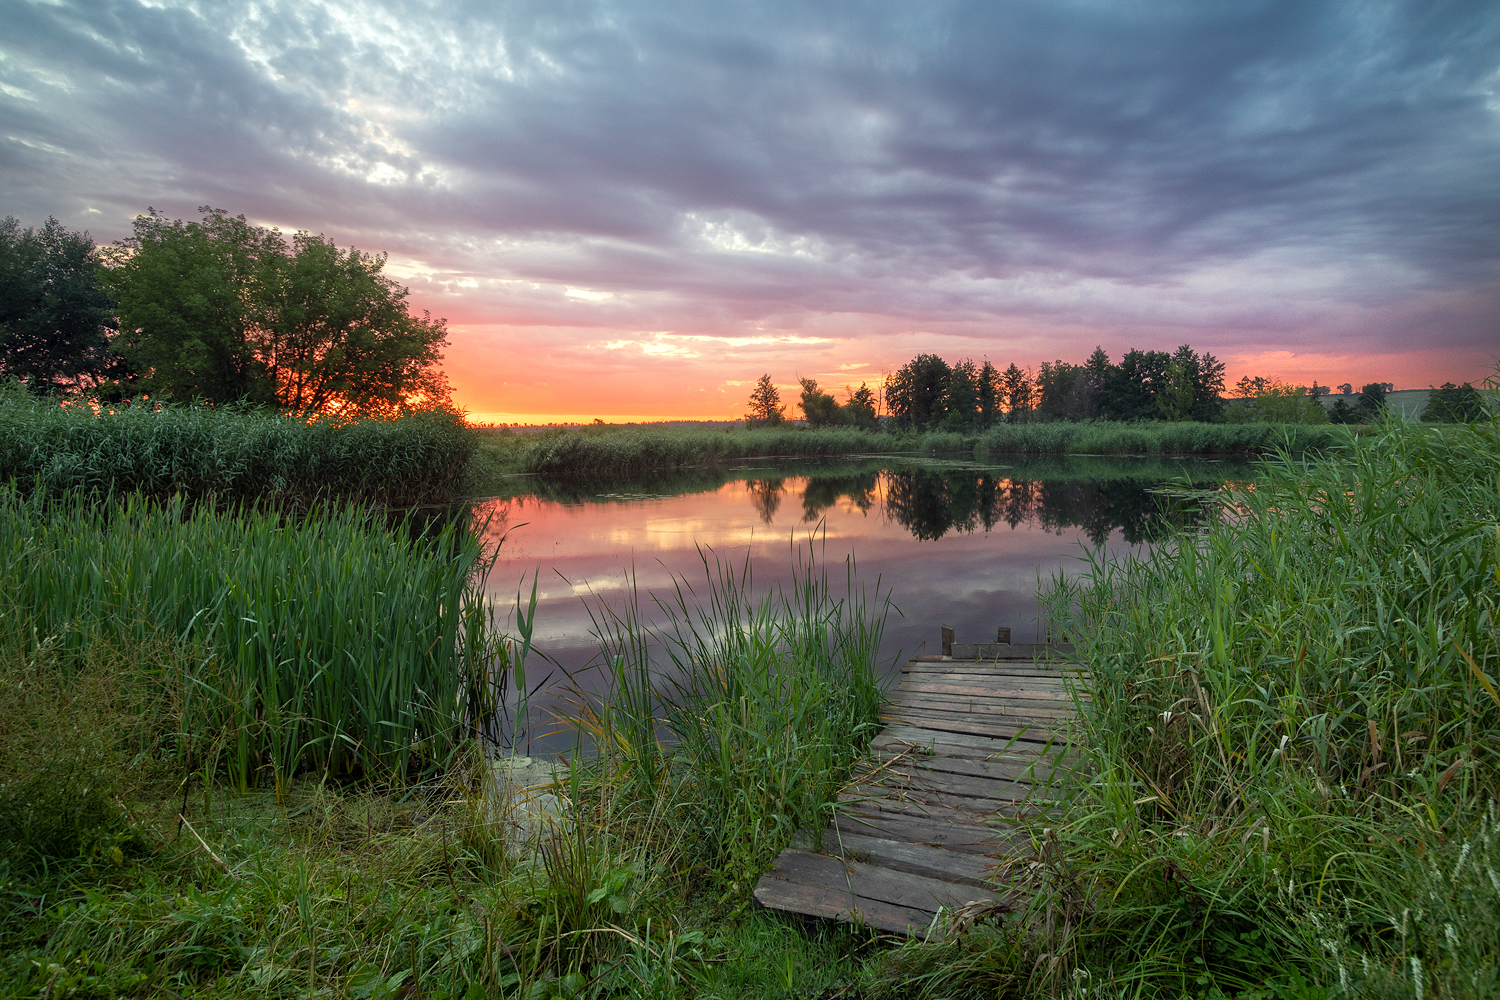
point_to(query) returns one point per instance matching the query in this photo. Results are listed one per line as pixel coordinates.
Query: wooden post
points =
(1002, 636)
(947, 640)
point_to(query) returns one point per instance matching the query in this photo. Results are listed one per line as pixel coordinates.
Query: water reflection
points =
(954, 543)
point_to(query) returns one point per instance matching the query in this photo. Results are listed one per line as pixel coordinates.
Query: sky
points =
(631, 210)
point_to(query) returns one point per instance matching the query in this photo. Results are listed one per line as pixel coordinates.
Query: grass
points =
(331, 641)
(231, 454)
(1295, 729)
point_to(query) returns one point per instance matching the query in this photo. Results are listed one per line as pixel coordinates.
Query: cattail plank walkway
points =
(971, 740)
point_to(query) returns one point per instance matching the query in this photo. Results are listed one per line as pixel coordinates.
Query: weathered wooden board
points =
(969, 746)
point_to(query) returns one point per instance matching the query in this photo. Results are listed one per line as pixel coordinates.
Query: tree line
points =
(929, 394)
(217, 311)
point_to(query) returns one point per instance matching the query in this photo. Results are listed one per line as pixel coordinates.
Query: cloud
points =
(808, 181)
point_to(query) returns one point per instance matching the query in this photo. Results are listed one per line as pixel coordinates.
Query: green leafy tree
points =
(961, 401)
(1342, 413)
(1174, 400)
(55, 319)
(223, 311)
(1453, 404)
(818, 407)
(861, 408)
(1134, 384)
(915, 394)
(765, 404)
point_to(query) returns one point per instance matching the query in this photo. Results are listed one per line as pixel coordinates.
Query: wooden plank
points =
(838, 904)
(1029, 769)
(1019, 671)
(922, 830)
(872, 883)
(949, 784)
(914, 737)
(942, 684)
(974, 706)
(1022, 730)
(918, 859)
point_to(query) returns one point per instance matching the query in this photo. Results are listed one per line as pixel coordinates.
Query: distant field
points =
(1411, 402)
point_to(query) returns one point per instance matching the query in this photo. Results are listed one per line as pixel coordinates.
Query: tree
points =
(1342, 413)
(223, 311)
(861, 408)
(1174, 400)
(914, 396)
(1248, 387)
(1019, 393)
(55, 320)
(1371, 402)
(1133, 385)
(1453, 404)
(818, 407)
(991, 395)
(1054, 389)
(961, 400)
(765, 404)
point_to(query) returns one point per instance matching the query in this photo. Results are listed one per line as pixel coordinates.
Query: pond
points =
(953, 542)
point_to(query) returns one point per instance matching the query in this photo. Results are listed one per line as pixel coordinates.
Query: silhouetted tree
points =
(991, 395)
(1371, 402)
(1453, 404)
(55, 320)
(1133, 385)
(1054, 389)
(765, 404)
(861, 408)
(1020, 398)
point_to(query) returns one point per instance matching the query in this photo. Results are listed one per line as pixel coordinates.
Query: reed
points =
(231, 454)
(739, 714)
(1289, 710)
(332, 640)
(1110, 438)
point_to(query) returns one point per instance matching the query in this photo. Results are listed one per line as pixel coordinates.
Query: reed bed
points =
(610, 453)
(231, 454)
(1109, 438)
(332, 641)
(1295, 731)
(739, 714)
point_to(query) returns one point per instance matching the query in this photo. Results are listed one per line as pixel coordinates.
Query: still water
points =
(957, 543)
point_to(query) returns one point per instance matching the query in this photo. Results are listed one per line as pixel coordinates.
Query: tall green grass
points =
(1292, 713)
(231, 454)
(332, 640)
(739, 715)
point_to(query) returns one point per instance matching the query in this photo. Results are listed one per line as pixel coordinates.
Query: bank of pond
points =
(247, 733)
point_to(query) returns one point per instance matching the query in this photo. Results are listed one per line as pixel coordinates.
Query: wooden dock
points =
(971, 740)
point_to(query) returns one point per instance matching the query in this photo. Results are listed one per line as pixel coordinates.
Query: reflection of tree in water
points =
(930, 504)
(765, 494)
(823, 492)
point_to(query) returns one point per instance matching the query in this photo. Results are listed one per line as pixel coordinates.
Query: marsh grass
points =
(332, 641)
(738, 714)
(1292, 712)
(231, 454)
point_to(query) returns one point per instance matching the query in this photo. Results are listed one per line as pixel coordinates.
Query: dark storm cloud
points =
(1252, 165)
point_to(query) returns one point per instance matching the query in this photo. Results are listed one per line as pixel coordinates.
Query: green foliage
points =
(224, 311)
(861, 408)
(1109, 438)
(765, 404)
(1277, 403)
(1371, 402)
(1286, 713)
(818, 407)
(1453, 404)
(228, 453)
(54, 318)
(332, 640)
(765, 703)
(915, 396)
